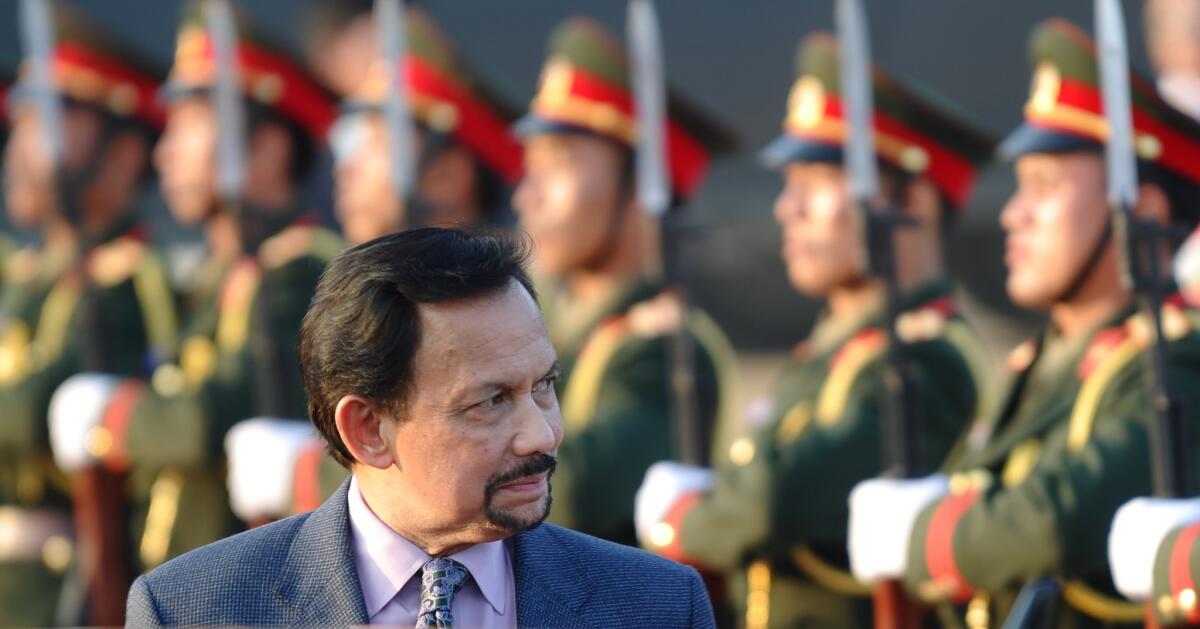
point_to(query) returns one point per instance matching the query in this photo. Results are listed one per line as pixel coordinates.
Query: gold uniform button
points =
(742, 451)
(56, 553)
(662, 534)
(99, 441)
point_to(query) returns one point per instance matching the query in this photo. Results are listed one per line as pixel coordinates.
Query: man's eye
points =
(492, 402)
(545, 384)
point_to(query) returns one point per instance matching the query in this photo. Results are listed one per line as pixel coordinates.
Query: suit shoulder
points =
(596, 555)
(259, 550)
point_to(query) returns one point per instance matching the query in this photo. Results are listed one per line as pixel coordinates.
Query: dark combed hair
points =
(362, 331)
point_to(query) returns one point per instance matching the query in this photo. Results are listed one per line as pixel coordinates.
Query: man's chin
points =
(520, 518)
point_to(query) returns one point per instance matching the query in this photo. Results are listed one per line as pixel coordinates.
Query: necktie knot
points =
(441, 579)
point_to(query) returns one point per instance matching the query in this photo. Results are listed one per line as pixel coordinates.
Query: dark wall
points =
(736, 58)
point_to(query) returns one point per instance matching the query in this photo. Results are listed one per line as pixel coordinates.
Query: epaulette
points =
(116, 261)
(295, 242)
(22, 266)
(927, 322)
(659, 315)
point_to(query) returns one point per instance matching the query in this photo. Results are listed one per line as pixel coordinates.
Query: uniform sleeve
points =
(1176, 568)
(24, 427)
(601, 466)
(796, 492)
(1052, 522)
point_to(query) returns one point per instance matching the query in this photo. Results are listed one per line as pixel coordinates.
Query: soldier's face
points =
(475, 445)
(820, 228)
(568, 198)
(186, 158)
(29, 175)
(366, 204)
(1053, 223)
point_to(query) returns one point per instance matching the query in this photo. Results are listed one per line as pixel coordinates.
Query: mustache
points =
(533, 465)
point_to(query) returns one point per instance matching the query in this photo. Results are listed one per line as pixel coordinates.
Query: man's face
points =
(1052, 222)
(821, 231)
(186, 158)
(568, 198)
(481, 426)
(29, 174)
(367, 206)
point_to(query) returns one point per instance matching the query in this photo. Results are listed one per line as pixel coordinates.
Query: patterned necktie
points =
(440, 580)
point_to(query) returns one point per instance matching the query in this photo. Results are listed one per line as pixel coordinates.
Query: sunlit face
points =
(481, 426)
(821, 233)
(366, 203)
(28, 172)
(568, 198)
(1052, 222)
(185, 159)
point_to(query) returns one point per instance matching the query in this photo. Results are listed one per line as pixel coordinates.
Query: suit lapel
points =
(551, 589)
(319, 581)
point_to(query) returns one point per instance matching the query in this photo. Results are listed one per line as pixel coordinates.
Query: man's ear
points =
(360, 426)
(1152, 203)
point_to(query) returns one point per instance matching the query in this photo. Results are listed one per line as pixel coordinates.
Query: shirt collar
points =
(386, 560)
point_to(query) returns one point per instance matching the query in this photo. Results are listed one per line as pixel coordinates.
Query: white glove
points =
(262, 455)
(882, 514)
(1137, 531)
(665, 483)
(76, 409)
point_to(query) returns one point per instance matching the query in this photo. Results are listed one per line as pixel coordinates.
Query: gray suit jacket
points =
(300, 571)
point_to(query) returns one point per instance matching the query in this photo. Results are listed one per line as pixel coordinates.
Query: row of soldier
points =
(112, 375)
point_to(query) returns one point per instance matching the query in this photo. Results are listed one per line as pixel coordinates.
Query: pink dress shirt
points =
(389, 571)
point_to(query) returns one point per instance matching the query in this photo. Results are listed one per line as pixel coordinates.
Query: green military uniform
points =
(775, 520)
(1036, 483)
(43, 331)
(1176, 568)
(615, 389)
(452, 103)
(169, 431)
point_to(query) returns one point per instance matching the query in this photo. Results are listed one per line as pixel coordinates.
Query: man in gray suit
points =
(430, 375)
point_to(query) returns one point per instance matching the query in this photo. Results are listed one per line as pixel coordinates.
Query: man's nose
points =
(539, 430)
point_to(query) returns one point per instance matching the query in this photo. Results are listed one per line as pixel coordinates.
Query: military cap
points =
(914, 130)
(1065, 111)
(448, 96)
(585, 88)
(271, 74)
(91, 66)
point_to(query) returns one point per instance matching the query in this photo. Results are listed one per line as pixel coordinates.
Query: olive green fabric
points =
(1053, 520)
(28, 476)
(179, 434)
(790, 489)
(601, 465)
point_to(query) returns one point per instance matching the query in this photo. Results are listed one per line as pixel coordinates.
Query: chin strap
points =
(1089, 265)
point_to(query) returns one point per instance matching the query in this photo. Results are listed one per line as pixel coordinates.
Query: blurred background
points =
(736, 60)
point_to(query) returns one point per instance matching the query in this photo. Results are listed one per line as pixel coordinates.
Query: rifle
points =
(654, 195)
(1140, 242)
(231, 181)
(900, 429)
(100, 577)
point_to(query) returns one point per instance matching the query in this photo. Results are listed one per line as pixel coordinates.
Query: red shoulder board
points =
(867, 339)
(1102, 344)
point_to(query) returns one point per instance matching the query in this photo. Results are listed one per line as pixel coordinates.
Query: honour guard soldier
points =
(773, 515)
(610, 324)
(267, 256)
(1031, 489)
(467, 160)
(91, 291)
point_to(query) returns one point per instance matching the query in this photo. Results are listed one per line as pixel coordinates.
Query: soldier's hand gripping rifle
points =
(99, 578)
(654, 195)
(228, 105)
(900, 430)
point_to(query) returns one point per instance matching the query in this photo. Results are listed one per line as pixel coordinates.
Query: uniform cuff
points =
(939, 547)
(115, 423)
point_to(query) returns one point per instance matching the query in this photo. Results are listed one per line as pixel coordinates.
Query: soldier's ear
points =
(360, 426)
(1153, 203)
